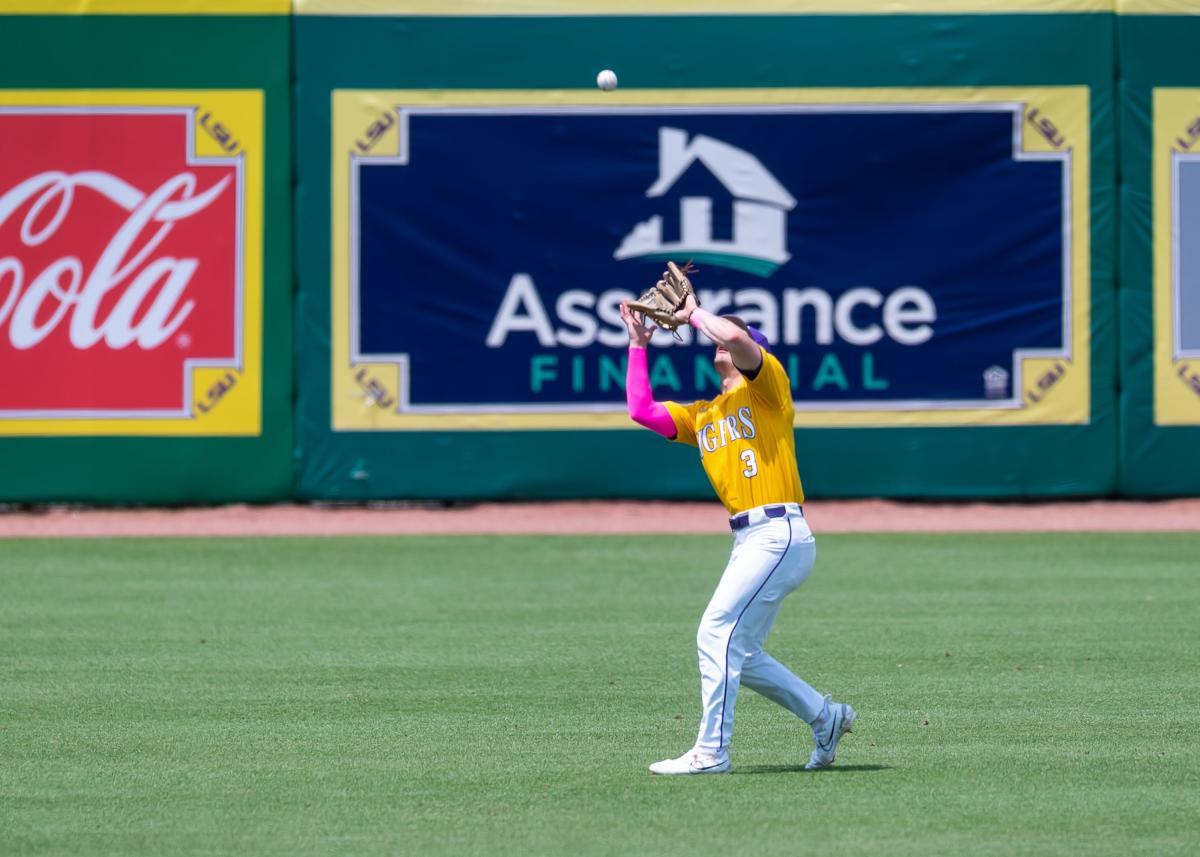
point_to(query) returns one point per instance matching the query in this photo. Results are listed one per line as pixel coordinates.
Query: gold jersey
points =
(745, 439)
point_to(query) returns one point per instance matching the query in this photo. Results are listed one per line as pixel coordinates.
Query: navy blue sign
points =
(896, 258)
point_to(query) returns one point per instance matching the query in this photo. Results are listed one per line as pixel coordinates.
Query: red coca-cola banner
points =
(120, 261)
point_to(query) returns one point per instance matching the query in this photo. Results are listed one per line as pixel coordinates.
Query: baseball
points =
(607, 80)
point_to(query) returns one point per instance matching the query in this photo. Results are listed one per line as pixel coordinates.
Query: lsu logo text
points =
(130, 262)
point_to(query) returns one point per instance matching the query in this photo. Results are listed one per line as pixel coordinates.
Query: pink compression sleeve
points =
(642, 408)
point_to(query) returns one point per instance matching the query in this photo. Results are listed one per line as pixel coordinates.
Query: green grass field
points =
(1019, 695)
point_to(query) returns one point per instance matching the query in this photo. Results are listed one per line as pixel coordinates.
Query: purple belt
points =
(742, 520)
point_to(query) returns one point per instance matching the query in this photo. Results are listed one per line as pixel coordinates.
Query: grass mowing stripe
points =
(1020, 694)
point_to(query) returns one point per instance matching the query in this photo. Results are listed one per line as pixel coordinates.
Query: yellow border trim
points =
(363, 395)
(1158, 7)
(145, 7)
(693, 7)
(225, 400)
(1176, 381)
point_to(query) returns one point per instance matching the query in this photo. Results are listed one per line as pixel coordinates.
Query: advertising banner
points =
(917, 257)
(145, 251)
(130, 262)
(1177, 257)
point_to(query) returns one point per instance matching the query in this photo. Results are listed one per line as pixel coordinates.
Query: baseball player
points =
(747, 448)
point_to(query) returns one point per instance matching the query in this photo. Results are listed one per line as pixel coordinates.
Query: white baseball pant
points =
(771, 557)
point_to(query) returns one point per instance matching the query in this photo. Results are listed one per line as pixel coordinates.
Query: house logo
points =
(995, 382)
(759, 205)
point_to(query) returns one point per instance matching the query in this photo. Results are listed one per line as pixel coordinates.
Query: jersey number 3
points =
(751, 463)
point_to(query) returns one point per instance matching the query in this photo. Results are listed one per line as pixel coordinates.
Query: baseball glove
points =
(660, 302)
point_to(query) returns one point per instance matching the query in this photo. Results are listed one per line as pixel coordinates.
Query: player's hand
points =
(639, 333)
(685, 312)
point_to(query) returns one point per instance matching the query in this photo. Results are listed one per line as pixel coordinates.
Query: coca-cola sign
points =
(121, 254)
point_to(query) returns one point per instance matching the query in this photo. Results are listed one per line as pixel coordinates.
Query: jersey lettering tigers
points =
(745, 439)
(717, 435)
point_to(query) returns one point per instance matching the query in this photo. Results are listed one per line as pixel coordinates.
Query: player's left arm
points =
(762, 371)
(746, 354)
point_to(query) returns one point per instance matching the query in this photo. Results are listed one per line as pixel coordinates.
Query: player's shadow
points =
(799, 769)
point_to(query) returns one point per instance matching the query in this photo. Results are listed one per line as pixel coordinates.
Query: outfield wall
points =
(167, 378)
(1160, 239)
(920, 209)
(958, 166)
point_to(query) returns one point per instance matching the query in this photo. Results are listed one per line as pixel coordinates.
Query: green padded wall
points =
(1019, 52)
(230, 436)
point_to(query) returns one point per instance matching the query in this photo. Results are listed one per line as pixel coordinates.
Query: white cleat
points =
(694, 762)
(835, 721)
